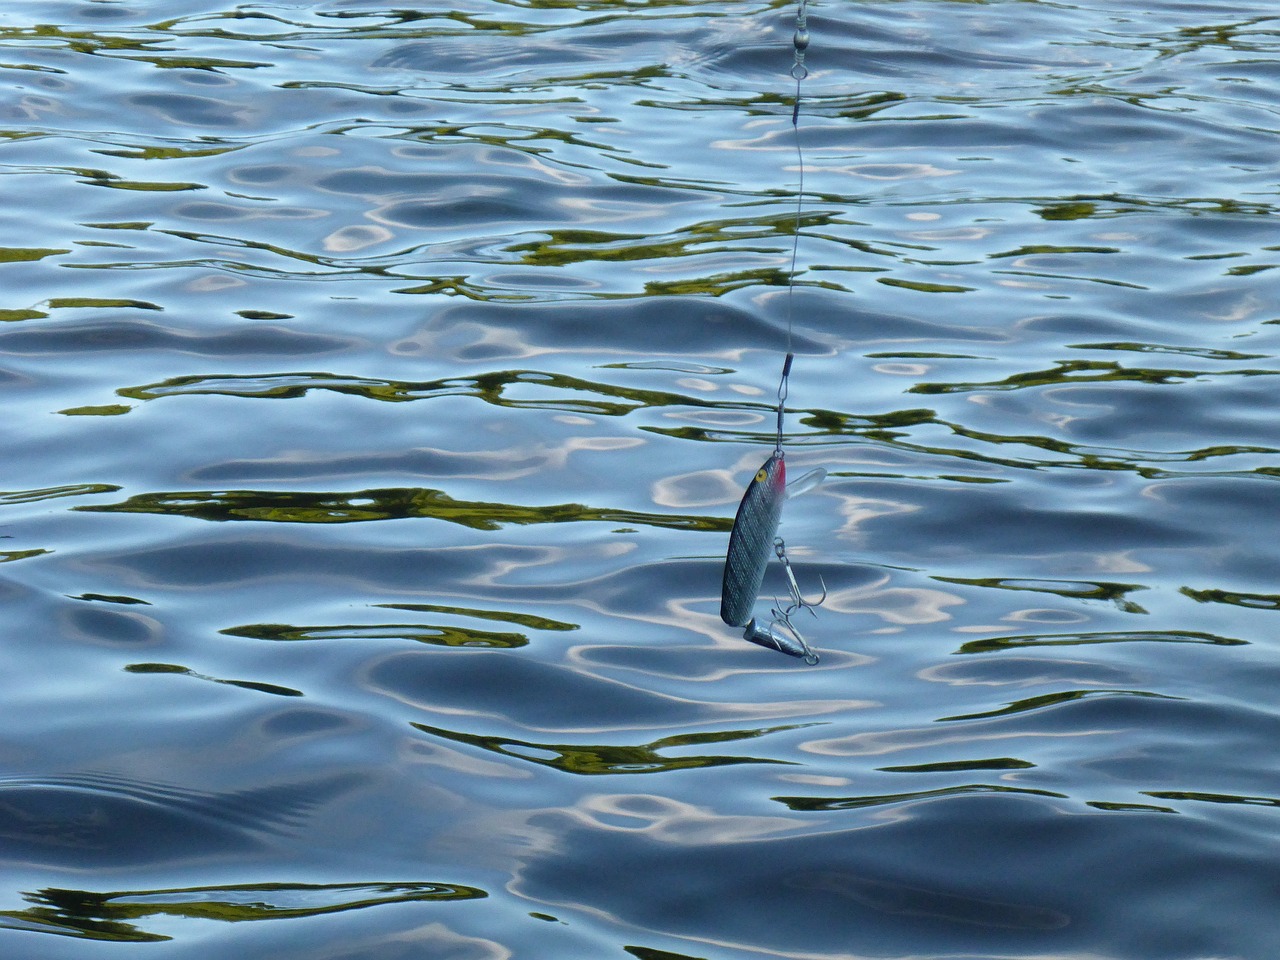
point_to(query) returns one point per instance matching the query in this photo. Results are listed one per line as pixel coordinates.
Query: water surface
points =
(381, 384)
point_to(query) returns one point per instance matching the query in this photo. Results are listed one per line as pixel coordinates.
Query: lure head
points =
(772, 476)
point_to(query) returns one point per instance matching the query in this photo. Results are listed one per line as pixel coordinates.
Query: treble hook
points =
(781, 634)
(798, 601)
(781, 618)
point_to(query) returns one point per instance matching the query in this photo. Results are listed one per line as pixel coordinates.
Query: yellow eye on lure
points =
(755, 526)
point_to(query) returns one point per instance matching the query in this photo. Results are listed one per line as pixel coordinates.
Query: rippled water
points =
(380, 385)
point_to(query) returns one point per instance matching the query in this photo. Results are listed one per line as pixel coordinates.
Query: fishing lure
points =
(755, 526)
(753, 537)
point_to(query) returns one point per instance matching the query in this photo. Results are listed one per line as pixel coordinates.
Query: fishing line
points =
(800, 41)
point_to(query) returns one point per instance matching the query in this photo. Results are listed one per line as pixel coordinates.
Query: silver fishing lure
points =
(753, 537)
(751, 541)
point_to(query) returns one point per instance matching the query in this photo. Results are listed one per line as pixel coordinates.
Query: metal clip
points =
(782, 614)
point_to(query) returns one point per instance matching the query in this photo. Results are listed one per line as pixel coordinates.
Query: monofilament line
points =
(799, 71)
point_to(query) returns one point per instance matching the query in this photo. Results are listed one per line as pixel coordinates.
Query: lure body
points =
(751, 541)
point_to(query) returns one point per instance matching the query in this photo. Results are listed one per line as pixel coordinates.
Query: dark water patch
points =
(111, 628)
(218, 562)
(133, 335)
(686, 325)
(1025, 671)
(1224, 499)
(98, 820)
(420, 462)
(1025, 525)
(867, 878)
(113, 915)
(188, 110)
(303, 723)
(519, 689)
(608, 48)
(893, 898)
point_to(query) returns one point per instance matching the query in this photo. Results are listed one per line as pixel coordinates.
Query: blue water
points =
(380, 385)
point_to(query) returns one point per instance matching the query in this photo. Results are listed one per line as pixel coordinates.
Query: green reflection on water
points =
(14, 315)
(995, 644)
(105, 410)
(27, 254)
(1114, 205)
(648, 953)
(51, 493)
(254, 685)
(1084, 371)
(1073, 589)
(1117, 807)
(492, 387)
(1054, 699)
(922, 287)
(386, 504)
(7, 555)
(1040, 249)
(594, 759)
(422, 633)
(816, 804)
(105, 916)
(1204, 353)
(955, 766)
(1257, 601)
(524, 619)
(1212, 797)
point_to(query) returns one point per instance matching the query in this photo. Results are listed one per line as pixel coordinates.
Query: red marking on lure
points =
(751, 541)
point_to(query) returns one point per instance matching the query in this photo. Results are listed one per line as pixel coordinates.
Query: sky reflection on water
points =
(381, 384)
